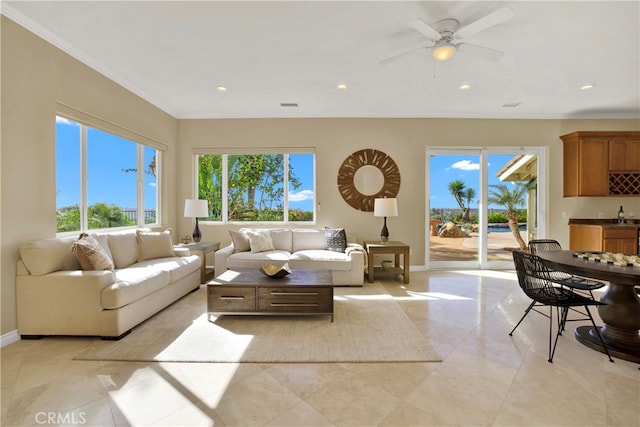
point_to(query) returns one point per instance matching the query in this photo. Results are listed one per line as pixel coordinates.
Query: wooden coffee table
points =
(248, 291)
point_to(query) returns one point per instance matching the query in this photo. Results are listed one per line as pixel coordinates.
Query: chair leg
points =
(523, 316)
(595, 328)
(563, 322)
(562, 315)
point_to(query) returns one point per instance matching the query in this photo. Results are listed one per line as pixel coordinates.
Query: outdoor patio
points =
(500, 246)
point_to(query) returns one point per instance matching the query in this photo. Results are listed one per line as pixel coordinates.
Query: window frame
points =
(225, 153)
(86, 121)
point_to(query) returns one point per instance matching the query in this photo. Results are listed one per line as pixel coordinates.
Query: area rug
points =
(369, 326)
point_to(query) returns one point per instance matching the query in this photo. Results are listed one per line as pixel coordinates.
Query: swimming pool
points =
(503, 228)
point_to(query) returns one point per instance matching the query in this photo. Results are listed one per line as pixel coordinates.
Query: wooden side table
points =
(204, 248)
(392, 247)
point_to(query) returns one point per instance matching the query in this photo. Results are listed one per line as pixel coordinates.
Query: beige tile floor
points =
(486, 377)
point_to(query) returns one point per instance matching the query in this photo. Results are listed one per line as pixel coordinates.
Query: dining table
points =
(620, 312)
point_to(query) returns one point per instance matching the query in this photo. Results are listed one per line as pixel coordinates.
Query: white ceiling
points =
(174, 54)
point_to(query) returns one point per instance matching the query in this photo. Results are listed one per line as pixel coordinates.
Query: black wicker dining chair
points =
(576, 282)
(535, 281)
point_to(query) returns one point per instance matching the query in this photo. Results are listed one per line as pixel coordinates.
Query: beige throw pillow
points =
(260, 240)
(48, 255)
(91, 255)
(155, 244)
(240, 241)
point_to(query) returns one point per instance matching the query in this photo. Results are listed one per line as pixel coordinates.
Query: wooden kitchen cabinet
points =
(603, 238)
(586, 169)
(620, 240)
(624, 155)
(601, 164)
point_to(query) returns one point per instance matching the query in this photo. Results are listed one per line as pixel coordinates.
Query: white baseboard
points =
(9, 338)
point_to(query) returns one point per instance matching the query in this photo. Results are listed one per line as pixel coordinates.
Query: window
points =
(103, 180)
(255, 187)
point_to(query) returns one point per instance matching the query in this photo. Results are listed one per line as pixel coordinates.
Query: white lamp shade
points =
(385, 207)
(195, 208)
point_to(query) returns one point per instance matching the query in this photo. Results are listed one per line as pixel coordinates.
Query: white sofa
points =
(56, 296)
(299, 247)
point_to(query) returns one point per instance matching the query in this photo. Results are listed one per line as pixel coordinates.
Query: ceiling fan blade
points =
(424, 28)
(490, 20)
(400, 55)
(480, 51)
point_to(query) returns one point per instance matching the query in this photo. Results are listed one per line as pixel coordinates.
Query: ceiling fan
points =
(444, 36)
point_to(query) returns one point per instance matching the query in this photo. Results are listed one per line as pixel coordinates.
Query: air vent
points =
(289, 104)
(511, 104)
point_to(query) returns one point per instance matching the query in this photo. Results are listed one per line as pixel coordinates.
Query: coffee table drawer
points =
(296, 299)
(231, 298)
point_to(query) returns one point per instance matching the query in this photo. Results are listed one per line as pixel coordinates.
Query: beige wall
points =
(405, 140)
(36, 75)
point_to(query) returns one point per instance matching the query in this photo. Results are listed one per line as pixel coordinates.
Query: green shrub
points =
(497, 218)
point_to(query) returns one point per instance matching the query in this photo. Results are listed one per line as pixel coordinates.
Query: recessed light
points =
(341, 87)
(465, 87)
(221, 88)
(587, 87)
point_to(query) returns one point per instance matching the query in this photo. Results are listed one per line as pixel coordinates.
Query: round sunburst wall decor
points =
(365, 160)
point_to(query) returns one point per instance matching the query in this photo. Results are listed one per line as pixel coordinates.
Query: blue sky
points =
(110, 159)
(448, 168)
(302, 198)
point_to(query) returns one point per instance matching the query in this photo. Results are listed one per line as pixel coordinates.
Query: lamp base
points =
(197, 235)
(384, 234)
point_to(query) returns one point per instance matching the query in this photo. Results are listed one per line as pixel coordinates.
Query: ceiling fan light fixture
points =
(444, 51)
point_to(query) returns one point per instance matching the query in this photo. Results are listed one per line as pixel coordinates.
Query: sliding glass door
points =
(481, 205)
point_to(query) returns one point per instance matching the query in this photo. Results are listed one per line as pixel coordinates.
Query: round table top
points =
(567, 262)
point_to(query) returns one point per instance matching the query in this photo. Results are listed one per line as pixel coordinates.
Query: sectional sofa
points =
(308, 248)
(100, 285)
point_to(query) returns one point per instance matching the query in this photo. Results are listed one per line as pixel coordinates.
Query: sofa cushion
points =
(260, 240)
(336, 239)
(255, 260)
(240, 241)
(281, 238)
(48, 255)
(306, 238)
(154, 244)
(320, 258)
(124, 248)
(103, 239)
(178, 267)
(90, 253)
(132, 284)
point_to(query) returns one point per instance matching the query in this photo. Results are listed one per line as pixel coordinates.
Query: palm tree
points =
(103, 215)
(510, 199)
(459, 191)
(469, 195)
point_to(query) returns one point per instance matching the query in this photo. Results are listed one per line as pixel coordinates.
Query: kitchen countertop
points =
(608, 222)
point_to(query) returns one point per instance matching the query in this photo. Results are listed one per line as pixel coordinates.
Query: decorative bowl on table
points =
(275, 271)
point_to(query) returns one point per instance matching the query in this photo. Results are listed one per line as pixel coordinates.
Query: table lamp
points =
(385, 207)
(194, 208)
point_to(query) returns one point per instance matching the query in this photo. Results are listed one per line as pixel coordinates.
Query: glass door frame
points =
(483, 152)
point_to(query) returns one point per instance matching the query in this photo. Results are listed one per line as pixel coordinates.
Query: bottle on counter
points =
(621, 216)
